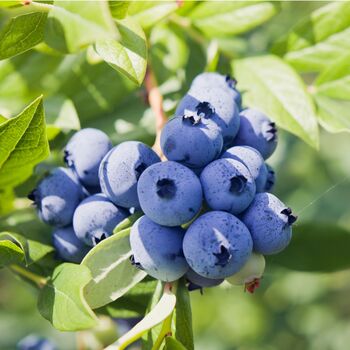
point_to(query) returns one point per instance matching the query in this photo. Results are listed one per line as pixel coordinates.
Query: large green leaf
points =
(273, 87)
(21, 32)
(320, 38)
(148, 13)
(61, 301)
(335, 80)
(72, 26)
(23, 144)
(183, 313)
(10, 253)
(32, 250)
(333, 114)
(113, 275)
(159, 313)
(231, 17)
(317, 248)
(172, 344)
(129, 54)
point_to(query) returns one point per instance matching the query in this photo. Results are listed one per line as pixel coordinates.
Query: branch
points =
(155, 100)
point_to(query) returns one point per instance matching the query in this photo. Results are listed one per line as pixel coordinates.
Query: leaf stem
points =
(40, 281)
(165, 332)
(37, 5)
(155, 100)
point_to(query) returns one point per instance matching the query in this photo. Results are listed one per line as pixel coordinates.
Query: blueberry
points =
(68, 246)
(250, 274)
(228, 185)
(258, 131)
(191, 140)
(198, 282)
(271, 178)
(57, 196)
(84, 152)
(216, 104)
(95, 219)
(253, 160)
(34, 342)
(210, 79)
(170, 194)
(158, 249)
(270, 223)
(120, 170)
(217, 245)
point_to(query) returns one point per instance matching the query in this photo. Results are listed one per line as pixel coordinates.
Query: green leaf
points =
(119, 9)
(10, 253)
(113, 275)
(148, 13)
(21, 32)
(273, 87)
(320, 38)
(23, 144)
(316, 248)
(32, 250)
(231, 17)
(129, 55)
(128, 222)
(7, 198)
(71, 26)
(134, 303)
(183, 313)
(333, 114)
(335, 80)
(172, 344)
(62, 302)
(159, 313)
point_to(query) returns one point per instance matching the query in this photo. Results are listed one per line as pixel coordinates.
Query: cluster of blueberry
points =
(208, 213)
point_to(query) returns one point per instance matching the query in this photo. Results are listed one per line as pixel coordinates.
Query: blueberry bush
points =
(133, 144)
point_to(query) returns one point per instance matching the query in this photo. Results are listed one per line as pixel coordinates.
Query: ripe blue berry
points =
(270, 223)
(33, 342)
(84, 152)
(158, 249)
(57, 196)
(197, 281)
(253, 160)
(210, 79)
(258, 131)
(271, 178)
(228, 185)
(120, 170)
(95, 219)
(217, 245)
(170, 194)
(68, 246)
(215, 104)
(191, 140)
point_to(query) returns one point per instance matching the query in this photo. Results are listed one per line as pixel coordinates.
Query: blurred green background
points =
(291, 310)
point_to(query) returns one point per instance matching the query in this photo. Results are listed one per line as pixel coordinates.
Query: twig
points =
(155, 100)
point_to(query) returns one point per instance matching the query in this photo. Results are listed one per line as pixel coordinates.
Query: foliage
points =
(89, 62)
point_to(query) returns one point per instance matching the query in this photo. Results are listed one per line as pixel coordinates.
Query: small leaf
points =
(172, 344)
(148, 13)
(273, 87)
(129, 55)
(113, 275)
(335, 80)
(183, 324)
(32, 250)
(319, 39)
(119, 9)
(159, 313)
(62, 302)
(316, 248)
(23, 144)
(21, 32)
(10, 253)
(333, 114)
(71, 26)
(128, 222)
(231, 17)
